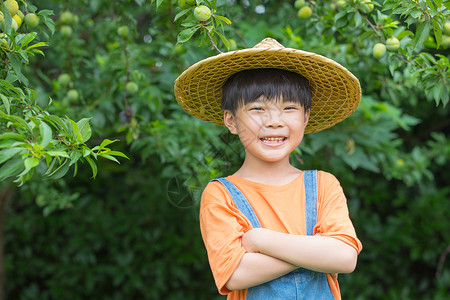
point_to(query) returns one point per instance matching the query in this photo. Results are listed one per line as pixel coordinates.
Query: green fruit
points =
(447, 27)
(305, 12)
(123, 31)
(12, 6)
(202, 13)
(299, 3)
(365, 6)
(72, 95)
(20, 14)
(64, 79)
(32, 20)
(392, 44)
(445, 41)
(379, 50)
(233, 45)
(66, 17)
(66, 31)
(3, 40)
(341, 3)
(14, 25)
(132, 88)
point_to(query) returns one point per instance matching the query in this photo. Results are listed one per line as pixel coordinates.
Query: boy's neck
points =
(273, 173)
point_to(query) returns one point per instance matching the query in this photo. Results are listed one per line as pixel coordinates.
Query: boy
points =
(273, 231)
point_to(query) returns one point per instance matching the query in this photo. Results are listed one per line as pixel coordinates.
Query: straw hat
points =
(335, 91)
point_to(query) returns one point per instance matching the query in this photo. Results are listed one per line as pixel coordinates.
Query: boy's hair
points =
(250, 85)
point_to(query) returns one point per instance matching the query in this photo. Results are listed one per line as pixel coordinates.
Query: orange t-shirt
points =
(279, 208)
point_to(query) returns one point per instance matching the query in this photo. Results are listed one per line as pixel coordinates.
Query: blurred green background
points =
(133, 232)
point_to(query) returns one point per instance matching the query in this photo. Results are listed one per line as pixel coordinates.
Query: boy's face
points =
(269, 129)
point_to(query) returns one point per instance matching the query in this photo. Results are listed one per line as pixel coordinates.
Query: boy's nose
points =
(273, 119)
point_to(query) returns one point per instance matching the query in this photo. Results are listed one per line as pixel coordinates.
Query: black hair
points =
(250, 85)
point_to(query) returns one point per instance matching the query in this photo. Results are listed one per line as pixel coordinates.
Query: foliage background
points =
(133, 231)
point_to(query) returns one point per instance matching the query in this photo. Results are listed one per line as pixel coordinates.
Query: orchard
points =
(101, 171)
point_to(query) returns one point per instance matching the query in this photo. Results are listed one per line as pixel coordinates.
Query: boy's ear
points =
(307, 112)
(229, 121)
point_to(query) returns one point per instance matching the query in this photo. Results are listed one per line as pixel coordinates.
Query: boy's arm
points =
(257, 268)
(317, 253)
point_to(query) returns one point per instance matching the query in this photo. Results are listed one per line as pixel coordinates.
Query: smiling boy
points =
(273, 231)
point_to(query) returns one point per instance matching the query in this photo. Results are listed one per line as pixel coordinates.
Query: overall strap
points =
(310, 182)
(240, 201)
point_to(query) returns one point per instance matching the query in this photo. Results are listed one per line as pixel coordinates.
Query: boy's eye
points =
(290, 108)
(257, 108)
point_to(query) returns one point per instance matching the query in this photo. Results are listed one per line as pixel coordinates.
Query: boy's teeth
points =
(272, 139)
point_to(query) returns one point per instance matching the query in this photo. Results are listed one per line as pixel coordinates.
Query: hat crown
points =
(269, 43)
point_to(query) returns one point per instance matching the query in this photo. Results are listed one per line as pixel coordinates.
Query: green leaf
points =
(224, 40)
(40, 44)
(186, 34)
(9, 152)
(11, 168)
(93, 166)
(16, 65)
(57, 122)
(12, 135)
(226, 20)
(61, 170)
(6, 103)
(422, 34)
(117, 153)
(28, 38)
(85, 129)
(107, 142)
(181, 13)
(46, 134)
(109, 157)
(29, 164)
(58, 153)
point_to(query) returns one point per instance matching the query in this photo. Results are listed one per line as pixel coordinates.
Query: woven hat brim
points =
(335, 91)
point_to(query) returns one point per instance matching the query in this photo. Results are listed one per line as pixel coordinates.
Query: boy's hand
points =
(250, 240)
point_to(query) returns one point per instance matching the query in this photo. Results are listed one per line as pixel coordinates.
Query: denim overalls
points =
(298, 284)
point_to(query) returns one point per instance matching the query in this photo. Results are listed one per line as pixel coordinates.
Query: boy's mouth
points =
(273, 140)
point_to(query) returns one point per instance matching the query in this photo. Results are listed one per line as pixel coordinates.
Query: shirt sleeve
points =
(333, 216)
(222, 225)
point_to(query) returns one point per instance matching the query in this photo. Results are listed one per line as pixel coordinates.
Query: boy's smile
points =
(268, 130)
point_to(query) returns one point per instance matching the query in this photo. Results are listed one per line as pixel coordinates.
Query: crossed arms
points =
(271, 254)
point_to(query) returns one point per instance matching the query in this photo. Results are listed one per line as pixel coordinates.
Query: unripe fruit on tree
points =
(72, 95)
(445, 41)
(447, 27)
(123, 31)
(132, 87)
(66, 31)
(32, 20)
(14, 25)
(305, 12)
(20, 14)
(202, 13)
(392, 44)
(12, 6)
(379, 50)
(299, 3)
(341, 3)
(3, 41)
(18, 20)
(233, 45)
(66, 17)
(365, 6)
(64, 79)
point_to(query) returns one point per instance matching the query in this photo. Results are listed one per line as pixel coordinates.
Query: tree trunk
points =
(6, 193)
